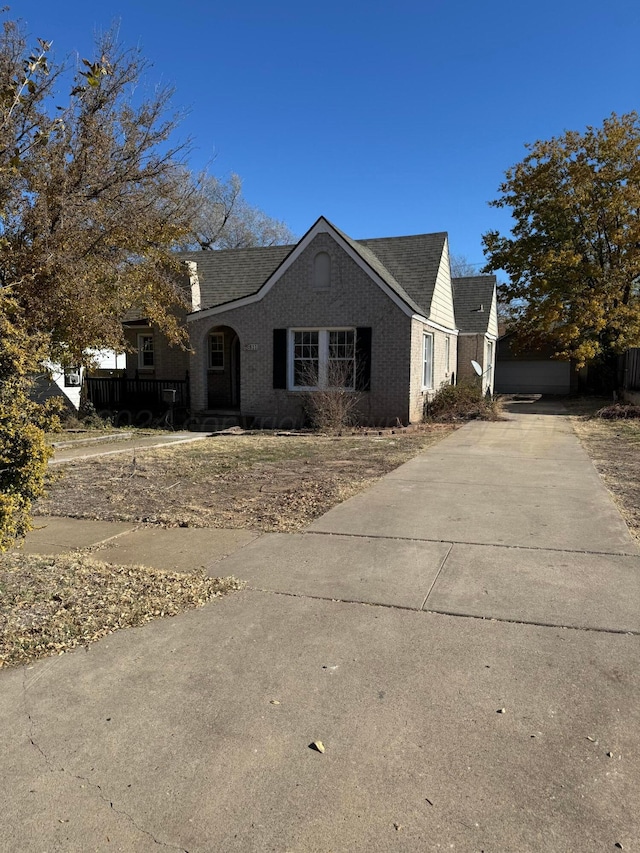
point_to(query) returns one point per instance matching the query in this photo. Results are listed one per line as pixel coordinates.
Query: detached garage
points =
(527, 372)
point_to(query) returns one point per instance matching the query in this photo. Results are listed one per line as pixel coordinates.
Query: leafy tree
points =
(93, 198)
(573, 257)
(225, 220)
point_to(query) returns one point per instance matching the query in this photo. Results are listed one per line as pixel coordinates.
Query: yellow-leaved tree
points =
(573, 255)
(93, 200)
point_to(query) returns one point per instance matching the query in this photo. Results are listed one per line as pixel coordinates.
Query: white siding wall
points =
(442, 301)
(492, 328)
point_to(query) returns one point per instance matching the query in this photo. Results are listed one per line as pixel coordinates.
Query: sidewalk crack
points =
(53, 769)
(435, 580)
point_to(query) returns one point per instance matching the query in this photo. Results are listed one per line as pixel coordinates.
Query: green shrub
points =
(24, 453)
(462, 402)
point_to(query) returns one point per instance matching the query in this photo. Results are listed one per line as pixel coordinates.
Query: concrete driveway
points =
(463, 638)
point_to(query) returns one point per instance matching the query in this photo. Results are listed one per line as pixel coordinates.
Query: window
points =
(427, 361)
(341, 362)
(72, 377)
(145, 352)
(216, 350)
(447, 355)
(306, 359)
(323, 358)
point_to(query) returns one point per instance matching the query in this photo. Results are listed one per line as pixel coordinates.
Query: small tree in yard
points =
(573, 257)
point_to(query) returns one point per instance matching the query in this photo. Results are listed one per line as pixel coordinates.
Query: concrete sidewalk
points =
(193, 733)
(109, 446)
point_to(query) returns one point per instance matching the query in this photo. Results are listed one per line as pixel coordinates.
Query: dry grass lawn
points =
(49, 605)
(614, 447)
(261, 482)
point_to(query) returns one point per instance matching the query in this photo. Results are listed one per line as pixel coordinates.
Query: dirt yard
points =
(614, 447)
(263, 482)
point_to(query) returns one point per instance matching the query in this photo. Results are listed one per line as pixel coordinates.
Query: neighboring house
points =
(476, 305)
(532, 371)
(66, 383)
(269, 324)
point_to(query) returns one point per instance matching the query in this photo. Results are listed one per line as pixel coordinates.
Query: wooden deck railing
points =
(135, 394)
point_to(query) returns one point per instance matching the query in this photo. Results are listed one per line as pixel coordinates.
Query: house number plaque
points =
(250, 347)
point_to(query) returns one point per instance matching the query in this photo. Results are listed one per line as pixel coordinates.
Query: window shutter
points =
(363, 358)
(279, 358)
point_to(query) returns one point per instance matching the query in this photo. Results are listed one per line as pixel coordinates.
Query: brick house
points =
(476, 308)
(269, 323)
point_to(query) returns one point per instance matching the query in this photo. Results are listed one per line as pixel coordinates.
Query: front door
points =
(223, 374)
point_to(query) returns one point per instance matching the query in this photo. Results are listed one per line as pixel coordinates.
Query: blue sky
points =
(387, 117)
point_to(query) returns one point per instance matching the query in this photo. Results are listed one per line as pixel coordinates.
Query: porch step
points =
(214, 421)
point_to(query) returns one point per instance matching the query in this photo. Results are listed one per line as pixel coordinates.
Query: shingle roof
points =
(228, 274)
(414, 261)
(408, 265)
(472, 297)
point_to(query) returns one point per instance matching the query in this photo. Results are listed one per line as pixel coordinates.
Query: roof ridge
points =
(403, 237)
(463, 277)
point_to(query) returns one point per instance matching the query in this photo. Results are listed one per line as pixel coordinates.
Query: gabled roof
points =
(472, 300)
(407, 265)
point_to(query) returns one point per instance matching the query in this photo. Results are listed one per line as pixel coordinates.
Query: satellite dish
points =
(476, 367)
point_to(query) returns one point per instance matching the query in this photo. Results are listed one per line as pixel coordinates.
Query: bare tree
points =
(461, 266)
(225, 220)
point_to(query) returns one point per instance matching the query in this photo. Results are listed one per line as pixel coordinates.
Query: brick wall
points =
(441, 375)
(476, 347)
(469, 347)
(170, 362)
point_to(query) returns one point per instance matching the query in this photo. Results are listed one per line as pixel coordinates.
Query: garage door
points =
(532, 377)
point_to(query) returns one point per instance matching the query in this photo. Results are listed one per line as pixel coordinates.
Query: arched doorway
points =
(223, 369)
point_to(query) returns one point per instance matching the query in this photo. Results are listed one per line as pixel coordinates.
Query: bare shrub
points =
(333, 406)
(462, 402)
(619, 411)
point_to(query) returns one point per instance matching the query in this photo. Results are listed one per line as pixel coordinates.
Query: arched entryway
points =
(223, 369)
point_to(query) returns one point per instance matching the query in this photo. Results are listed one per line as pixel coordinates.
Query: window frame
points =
(427, 336)
(217, 368)
(142, 351)
(447, 355)
(323, 358)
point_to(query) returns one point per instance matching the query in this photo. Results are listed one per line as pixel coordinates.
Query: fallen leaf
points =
(317, 745)
(274, 702)
(609, 755)
(592, 739)
(501, 711)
